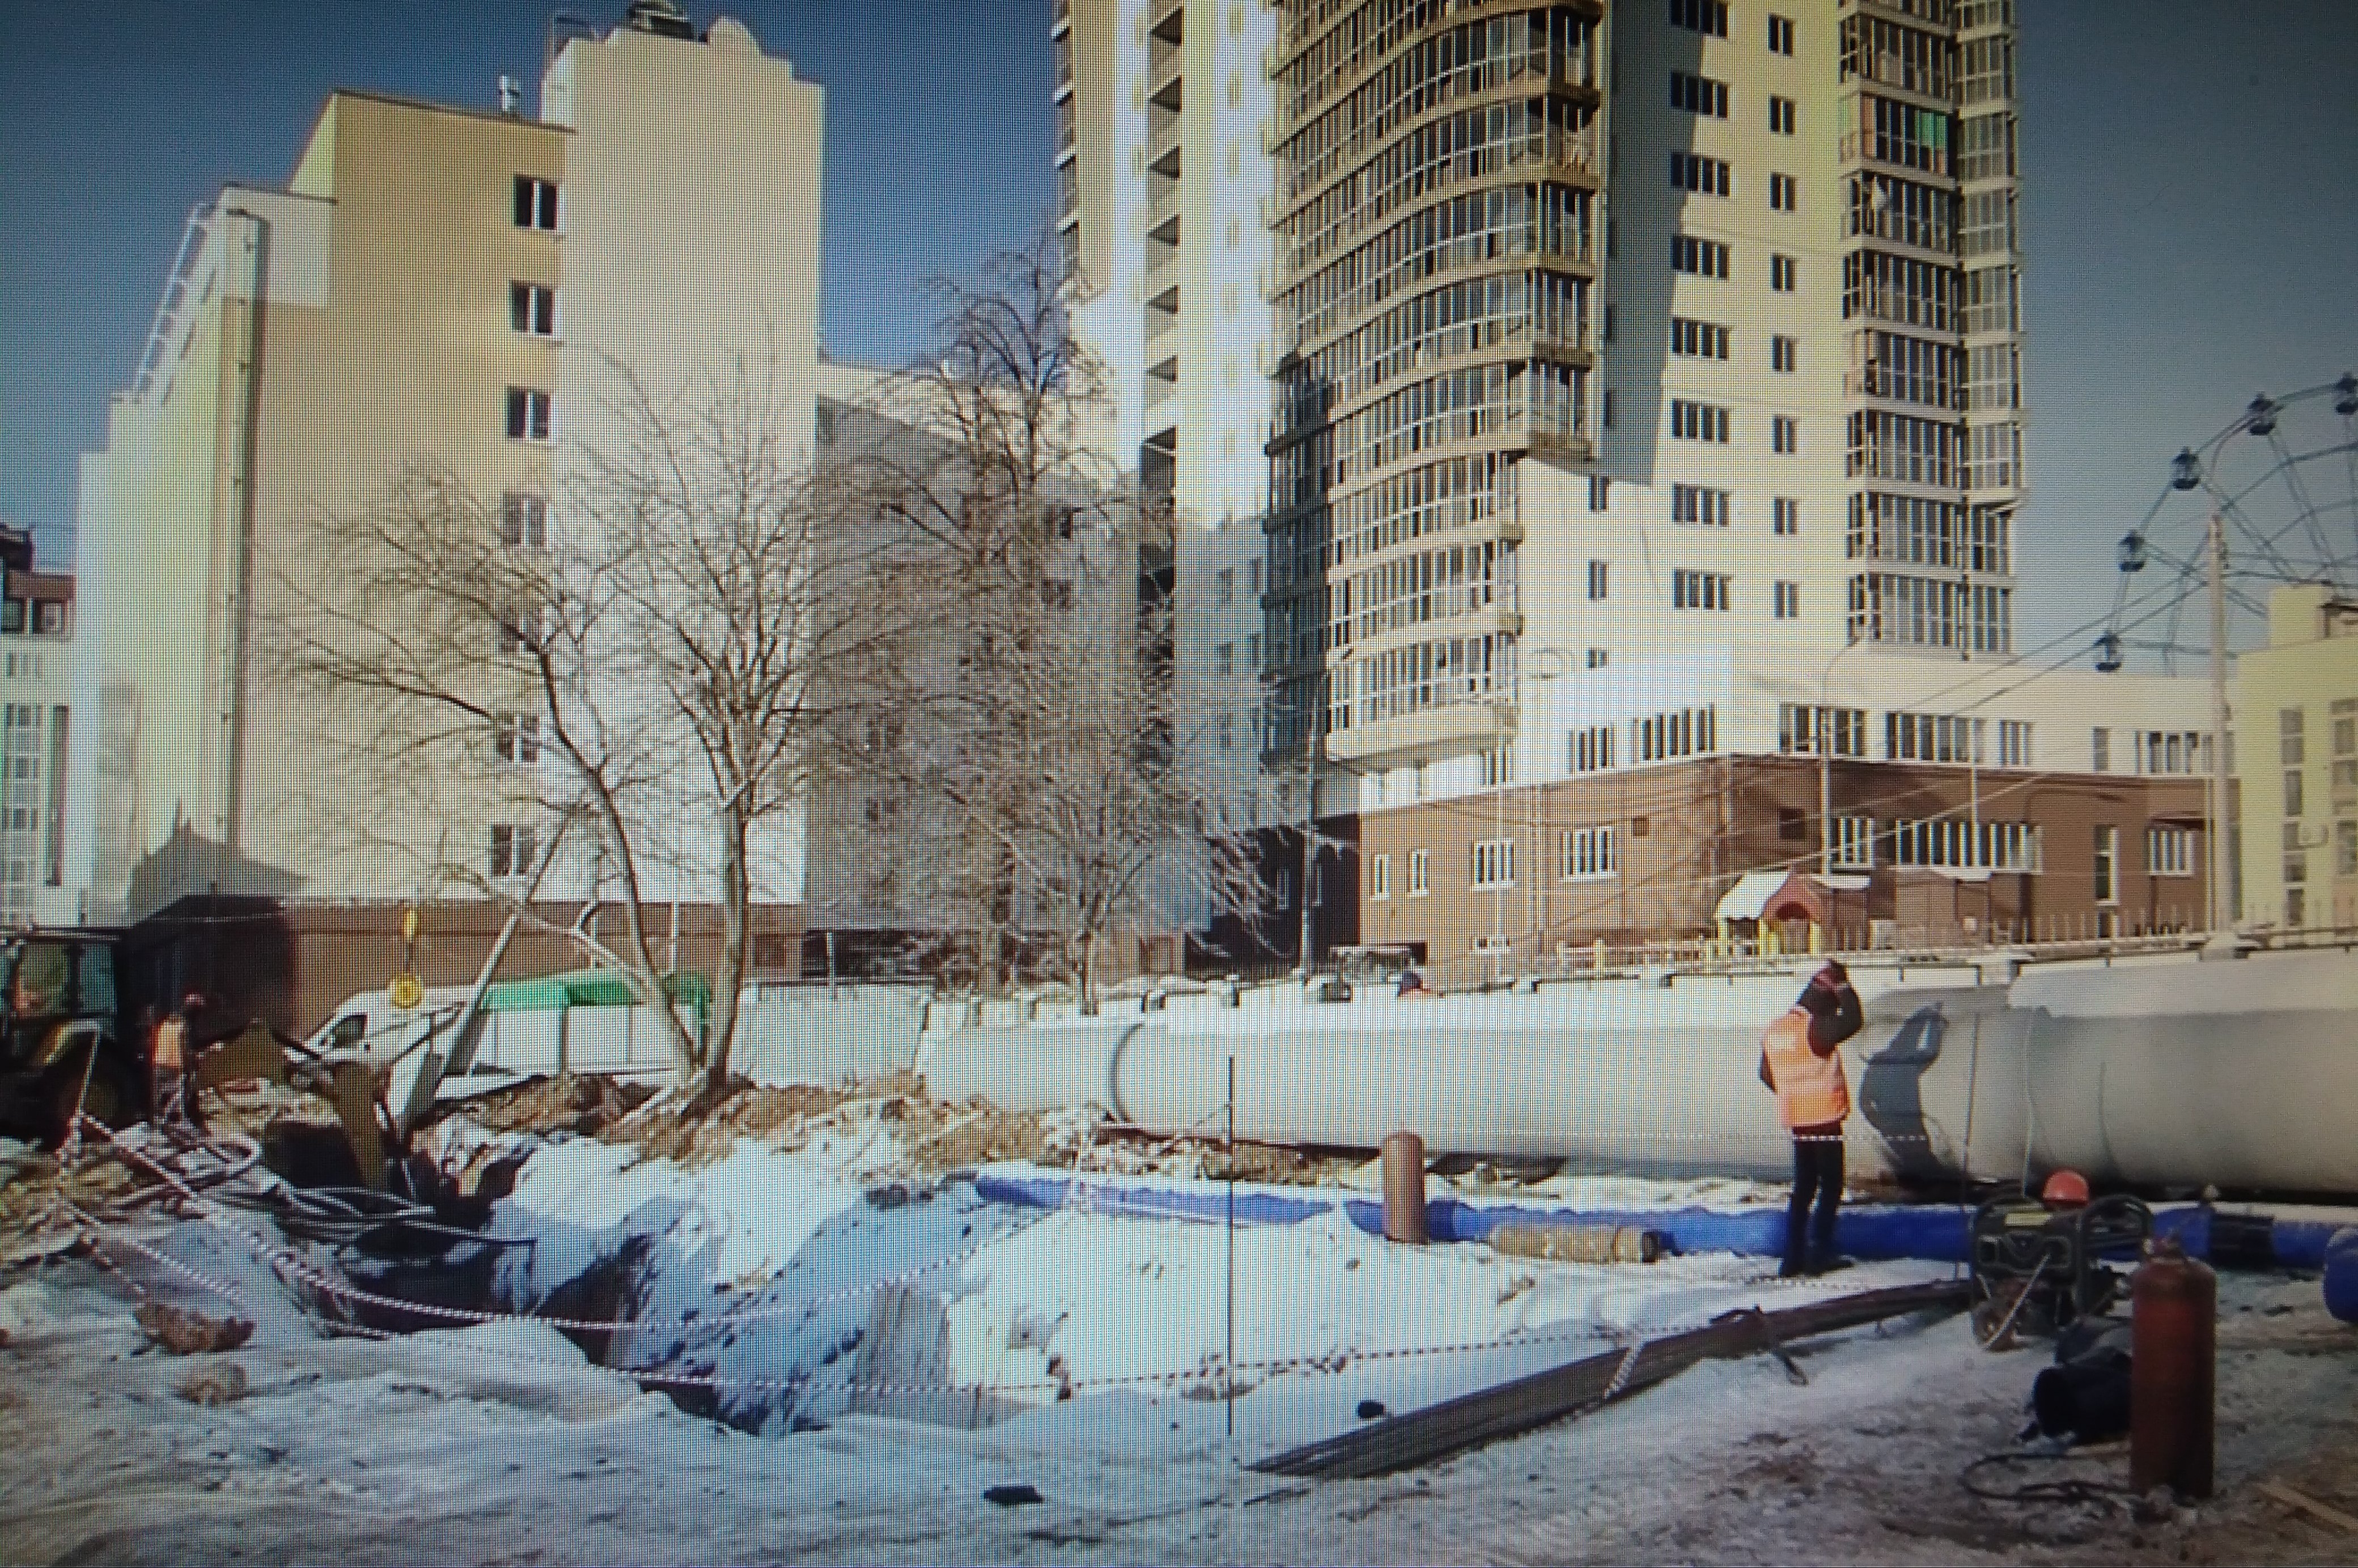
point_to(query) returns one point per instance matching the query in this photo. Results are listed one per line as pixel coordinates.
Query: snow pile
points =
(786, 1287)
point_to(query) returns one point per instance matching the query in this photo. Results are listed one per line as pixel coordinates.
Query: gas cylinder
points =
(2174, 1315)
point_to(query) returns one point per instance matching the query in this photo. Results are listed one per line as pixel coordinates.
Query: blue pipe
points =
(1872, 1232)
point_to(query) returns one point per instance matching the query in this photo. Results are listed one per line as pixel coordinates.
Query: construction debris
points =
(184, 1331)
(213, 1386)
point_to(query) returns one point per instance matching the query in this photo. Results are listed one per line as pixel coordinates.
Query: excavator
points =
(63, 1044)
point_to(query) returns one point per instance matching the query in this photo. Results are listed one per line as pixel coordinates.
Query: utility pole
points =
(2215, 830)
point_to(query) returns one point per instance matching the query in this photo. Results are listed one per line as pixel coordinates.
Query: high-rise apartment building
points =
(434, 284)
(1645, 399)
(1162, 107)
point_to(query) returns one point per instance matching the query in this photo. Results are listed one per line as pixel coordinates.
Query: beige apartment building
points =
(457, 286)
(2297, 762)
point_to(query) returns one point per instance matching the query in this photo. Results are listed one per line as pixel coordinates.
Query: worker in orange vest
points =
(1801, 1065)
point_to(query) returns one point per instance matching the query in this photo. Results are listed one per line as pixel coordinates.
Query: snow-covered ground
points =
(759, 1272)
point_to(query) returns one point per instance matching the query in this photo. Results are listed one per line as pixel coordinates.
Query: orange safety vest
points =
(1811, 1088)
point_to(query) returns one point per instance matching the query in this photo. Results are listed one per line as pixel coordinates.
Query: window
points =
(1784, 433)
(1698, 421)
(1285, 887)
(1224, 587)
(1589, 853)
(2292, 797)
(1604, 408)
(527, 415)
(1224, 659)
(1784, 274)
(1704, 176)
(1694, 504)
(1679, 732)
(1494, 863)
(2107, 864)
(1785, 517)
(1379, 876)
(1789, 601)
(520, 632)
(2290, 734)
(2013, 743)
(1708, 17)
(1610, 319)
(1931, 738)
(1225, 731)
(2345, 849)
(1252, 579)
(1699, 95)
(512, 850)
(532, 310)
(1698, 340)
(1498, 766)
(1419, 869)
(1784, 353)
(1600, 492)
(1599, 658)
(1954, 841)
(515, 736)
(1589, 751)
(1792, 824)
(1852, 843)
(1798, 729)
(523, 520)
(2100, 750)
(2169, 852)
(1781, 116)
(1252, 652)
(1780, 35)
(1699, 258)
(1784, 193)
(1699, 591)
(1597, 579)
(535, 203)
(2346, 748)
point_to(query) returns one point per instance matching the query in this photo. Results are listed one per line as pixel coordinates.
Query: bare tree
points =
(665, 645)
(1040, 715)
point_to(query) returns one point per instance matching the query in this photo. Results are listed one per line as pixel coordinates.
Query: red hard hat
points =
(2065, 1187)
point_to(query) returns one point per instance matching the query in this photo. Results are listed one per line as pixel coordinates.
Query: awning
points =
(1750, 895)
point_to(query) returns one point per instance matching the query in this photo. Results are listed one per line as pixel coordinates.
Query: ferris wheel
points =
(2271, 499)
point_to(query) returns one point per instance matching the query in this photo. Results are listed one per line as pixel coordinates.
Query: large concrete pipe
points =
(2240, 1074)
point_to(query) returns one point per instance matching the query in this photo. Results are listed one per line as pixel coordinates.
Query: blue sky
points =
(2191, 203)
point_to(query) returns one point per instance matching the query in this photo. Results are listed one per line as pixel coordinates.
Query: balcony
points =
(1162, 215)
(1866, 146)
(1166, 20)
(1162, 282)
(1162, 147)
(1449, 728)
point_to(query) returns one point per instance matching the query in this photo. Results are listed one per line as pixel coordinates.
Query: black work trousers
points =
(1817, 1175)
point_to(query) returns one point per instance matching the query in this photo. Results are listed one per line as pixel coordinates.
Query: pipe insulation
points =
(2243, 1075)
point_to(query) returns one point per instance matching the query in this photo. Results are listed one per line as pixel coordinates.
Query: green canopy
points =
(591, 987)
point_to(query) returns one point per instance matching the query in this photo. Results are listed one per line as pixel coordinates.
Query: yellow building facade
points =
(434, 284)
(2297, 762)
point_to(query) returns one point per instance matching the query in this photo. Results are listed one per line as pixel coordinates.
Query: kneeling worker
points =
(1800, 1063)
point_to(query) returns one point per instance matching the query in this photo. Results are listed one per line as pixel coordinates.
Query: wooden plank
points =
(2301, 1502)
(1537, 1398)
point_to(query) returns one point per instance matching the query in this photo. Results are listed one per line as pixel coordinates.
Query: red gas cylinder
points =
(2174, 1310)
